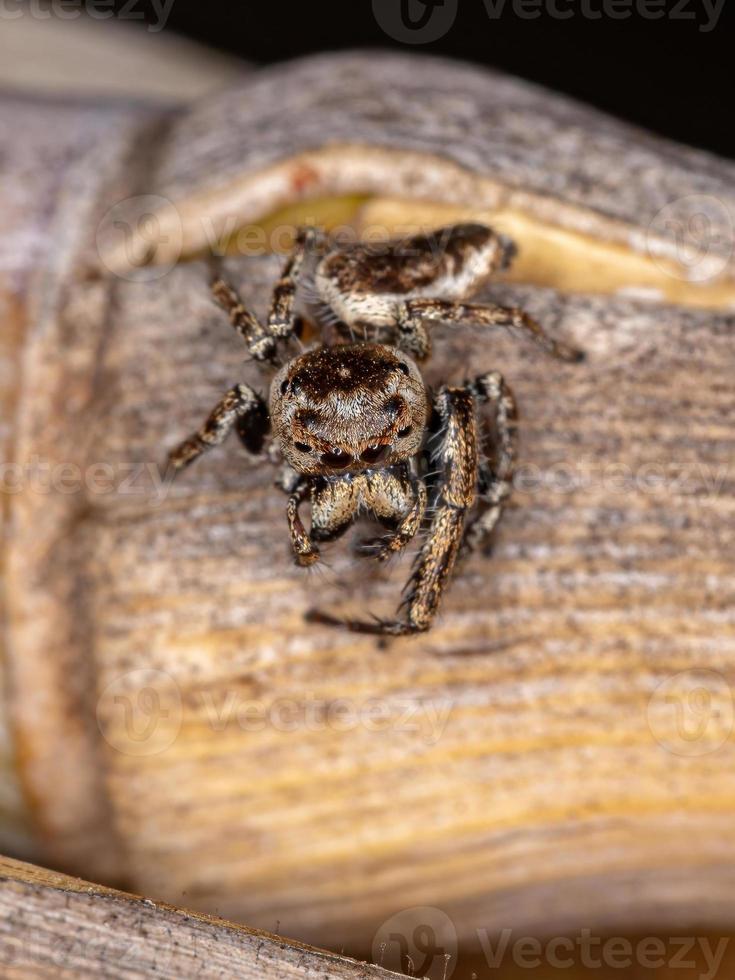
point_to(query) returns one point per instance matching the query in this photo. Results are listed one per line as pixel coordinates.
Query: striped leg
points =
(281, 319)
(240, 408)
(496, 475)
(416, 315)
(262, 340)
(454, 491)
(260, 343)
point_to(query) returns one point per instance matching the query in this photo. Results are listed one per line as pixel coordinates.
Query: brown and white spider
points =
(354, 420)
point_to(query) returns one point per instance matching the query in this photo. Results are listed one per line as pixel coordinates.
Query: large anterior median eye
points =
(373, 453)
(394, 406)
(336, 457)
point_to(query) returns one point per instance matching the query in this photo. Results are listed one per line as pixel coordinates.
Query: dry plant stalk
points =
(62, 928)
(532, 743)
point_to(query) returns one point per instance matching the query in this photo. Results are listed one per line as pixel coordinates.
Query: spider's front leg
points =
(496, 473)
(282, 319)
(240, 408)
(454, 461)
(415, 315)
(262, 340)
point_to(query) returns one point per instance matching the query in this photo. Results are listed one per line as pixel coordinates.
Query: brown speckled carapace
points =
(354, 421)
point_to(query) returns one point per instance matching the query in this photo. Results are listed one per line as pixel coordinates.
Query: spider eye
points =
(402, 366)
(302, 447)
(336, 457)
(394, 405)
(373, 453)
(284, 387)
(405, 432)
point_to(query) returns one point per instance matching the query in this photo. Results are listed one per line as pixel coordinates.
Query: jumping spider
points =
(354, 420)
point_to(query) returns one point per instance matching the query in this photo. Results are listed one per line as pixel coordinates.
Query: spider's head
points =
(348, 408)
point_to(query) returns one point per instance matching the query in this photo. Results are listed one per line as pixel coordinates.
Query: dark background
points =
(668, 75)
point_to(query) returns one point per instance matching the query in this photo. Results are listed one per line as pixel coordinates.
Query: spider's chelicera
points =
(353, 419)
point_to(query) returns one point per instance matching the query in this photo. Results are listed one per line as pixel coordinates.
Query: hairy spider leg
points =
(282, 321)
(415, 315)
(240, 408)
(496, 474)
(454, 457)
(261, 345)
(262, 340)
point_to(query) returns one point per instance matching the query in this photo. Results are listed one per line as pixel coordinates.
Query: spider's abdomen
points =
(366, 282)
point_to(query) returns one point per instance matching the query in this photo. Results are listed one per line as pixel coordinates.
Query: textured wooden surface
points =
(180, 728)
(59, 927)
(48, 212)
(435, 131)
(603, 585)
(55, 926)
(491, 125)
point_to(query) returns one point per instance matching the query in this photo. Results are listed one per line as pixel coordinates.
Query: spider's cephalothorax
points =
(348, 408)
(354, 421)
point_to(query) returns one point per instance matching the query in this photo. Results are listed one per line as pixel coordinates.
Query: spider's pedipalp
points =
(305, 552)
(381, 549)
